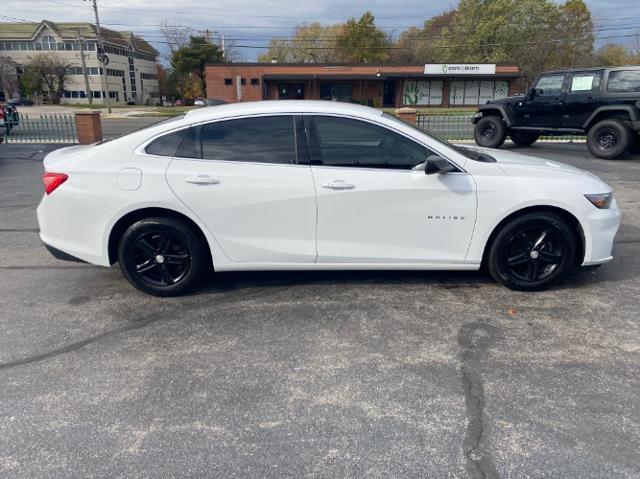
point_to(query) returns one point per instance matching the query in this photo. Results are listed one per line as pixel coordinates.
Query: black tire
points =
(162, 256)
(532, 252)
(524, 138)
(490, 132)
(609, 139)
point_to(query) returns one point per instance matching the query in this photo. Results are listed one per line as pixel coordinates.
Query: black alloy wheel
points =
(490, 132)
(609, 139)
(162, 256)
(532, 251)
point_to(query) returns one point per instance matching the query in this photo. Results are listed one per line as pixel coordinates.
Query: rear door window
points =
(585, 82)
(624, 81)
(166, 145)
(269, 139)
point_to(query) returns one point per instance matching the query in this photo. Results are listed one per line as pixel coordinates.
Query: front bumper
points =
(602, 228)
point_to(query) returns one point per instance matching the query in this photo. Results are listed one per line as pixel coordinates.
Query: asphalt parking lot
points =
(377, 375)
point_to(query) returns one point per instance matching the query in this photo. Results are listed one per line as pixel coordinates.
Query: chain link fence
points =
(49, 128)
(460, 128)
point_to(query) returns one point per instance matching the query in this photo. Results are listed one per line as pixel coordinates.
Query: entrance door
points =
(389, 94)
(373, 207)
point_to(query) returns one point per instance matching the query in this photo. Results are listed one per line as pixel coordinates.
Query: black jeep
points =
(603, 103)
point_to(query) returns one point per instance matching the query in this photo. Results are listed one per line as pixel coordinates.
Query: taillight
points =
(52, 180)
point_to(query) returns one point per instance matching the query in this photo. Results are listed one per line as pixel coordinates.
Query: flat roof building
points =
(132, 71)
(389, 86)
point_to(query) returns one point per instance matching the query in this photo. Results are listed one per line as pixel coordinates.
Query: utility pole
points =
(84, 68)
(105, 86)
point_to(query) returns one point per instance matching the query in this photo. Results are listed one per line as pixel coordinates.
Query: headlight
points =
(601, 201)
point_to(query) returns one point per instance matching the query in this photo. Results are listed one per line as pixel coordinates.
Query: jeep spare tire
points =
(609, 139)
(490, 132)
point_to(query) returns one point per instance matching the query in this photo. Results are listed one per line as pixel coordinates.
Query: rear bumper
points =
(61, 255)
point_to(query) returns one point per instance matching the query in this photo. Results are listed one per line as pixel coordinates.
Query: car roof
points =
(280, 106)
(583, 69)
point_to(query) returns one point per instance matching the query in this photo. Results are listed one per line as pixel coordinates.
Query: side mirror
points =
(531, 93)
(436, 165)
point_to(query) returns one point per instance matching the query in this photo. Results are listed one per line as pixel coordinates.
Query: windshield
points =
(472, 154)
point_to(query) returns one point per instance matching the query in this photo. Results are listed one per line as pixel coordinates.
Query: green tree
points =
(192, 58)
(416, 45)
(613, 54)
(311, 43)
(361, 41)
(46, 72)
(537, 34)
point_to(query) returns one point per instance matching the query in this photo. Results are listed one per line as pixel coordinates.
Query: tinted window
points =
(345, 142)
(585, 82)
(166, 145)
(551, 84)
(268, 139)
(624, 81)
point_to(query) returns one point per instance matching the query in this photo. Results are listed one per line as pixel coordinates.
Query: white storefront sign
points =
(460, 69)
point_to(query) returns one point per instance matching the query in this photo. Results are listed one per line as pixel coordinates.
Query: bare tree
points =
(8, 77)
(51, 72)
(175, 35)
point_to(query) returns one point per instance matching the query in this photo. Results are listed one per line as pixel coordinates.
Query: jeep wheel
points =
(524, 139)
(490, 132)
(609, 139)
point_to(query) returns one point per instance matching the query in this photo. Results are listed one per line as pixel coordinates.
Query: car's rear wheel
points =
(490, 132)
(609, 139)
(162, 256)
(523, 138)
(532, 252)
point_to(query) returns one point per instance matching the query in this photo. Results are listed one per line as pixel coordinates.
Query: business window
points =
(476, 92)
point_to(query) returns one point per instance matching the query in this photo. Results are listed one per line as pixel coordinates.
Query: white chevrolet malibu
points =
(304, 185)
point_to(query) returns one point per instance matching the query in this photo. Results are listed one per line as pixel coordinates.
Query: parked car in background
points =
(602, 103)
(22, 101)
(315, 185)
(199, 102)
(9, 117)
(214, 102)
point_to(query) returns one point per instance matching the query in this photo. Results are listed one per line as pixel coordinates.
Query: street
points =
(316, 374)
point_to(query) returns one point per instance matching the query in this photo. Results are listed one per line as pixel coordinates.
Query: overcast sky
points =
(253, 23)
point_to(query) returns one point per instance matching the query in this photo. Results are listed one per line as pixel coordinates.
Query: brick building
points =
(434, 85)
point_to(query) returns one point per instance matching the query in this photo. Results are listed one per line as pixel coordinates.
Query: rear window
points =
(166, 145)
(624, 81)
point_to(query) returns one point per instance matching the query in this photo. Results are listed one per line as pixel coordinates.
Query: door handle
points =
(338, 185)
(202, 180)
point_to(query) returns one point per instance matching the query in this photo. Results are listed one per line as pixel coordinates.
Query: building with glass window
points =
(432, 85)
(132, 69)
(390, 86)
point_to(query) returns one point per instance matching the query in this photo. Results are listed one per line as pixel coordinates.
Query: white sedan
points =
(304, 185)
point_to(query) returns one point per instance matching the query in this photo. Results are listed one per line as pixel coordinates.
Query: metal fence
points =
(460, 128)
(48, 128)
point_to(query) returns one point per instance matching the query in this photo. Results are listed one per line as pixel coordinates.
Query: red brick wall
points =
(216, 74)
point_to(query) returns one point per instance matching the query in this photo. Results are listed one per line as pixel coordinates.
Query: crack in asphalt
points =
(133, 325)
(19, 230)
(474, 340)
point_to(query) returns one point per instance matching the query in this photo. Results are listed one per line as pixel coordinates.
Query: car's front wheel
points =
(162, 256)
(490, 132)
(609, 139)
(532, 252)
(523, 138)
